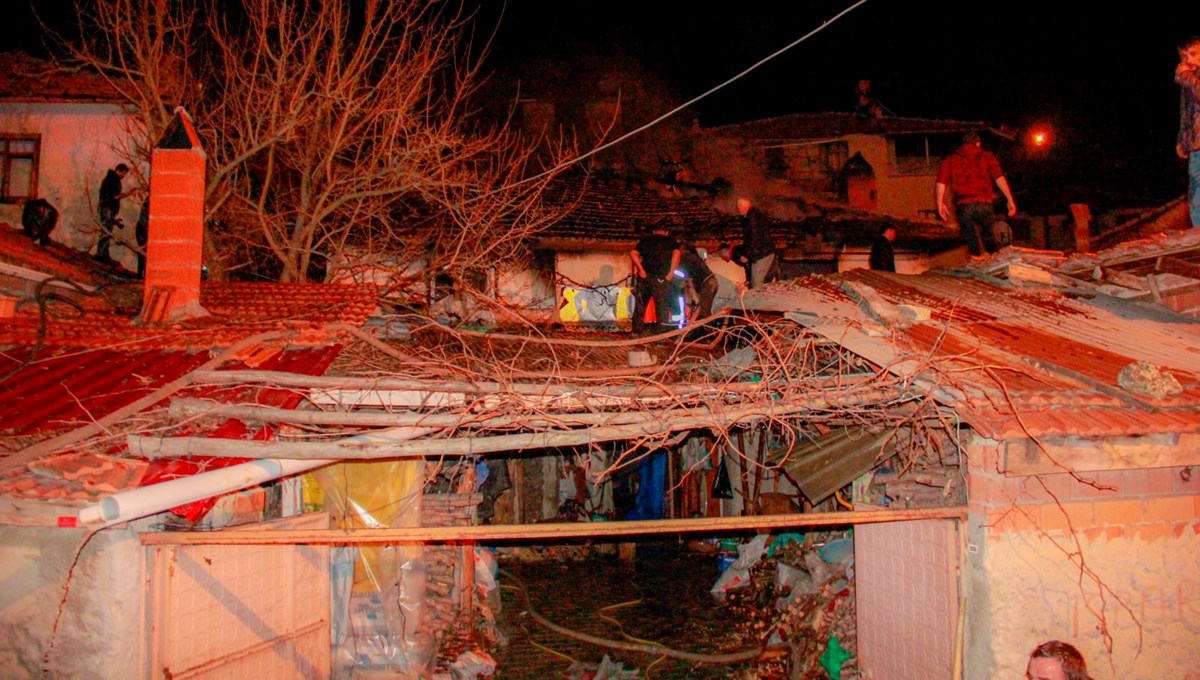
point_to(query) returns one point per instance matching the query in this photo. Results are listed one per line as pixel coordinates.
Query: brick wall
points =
(1055, 557)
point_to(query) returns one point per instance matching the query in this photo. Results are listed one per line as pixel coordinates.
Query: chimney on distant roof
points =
(174, 249)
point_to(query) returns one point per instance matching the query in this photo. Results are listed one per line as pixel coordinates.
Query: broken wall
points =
(1053, 557)
(100, 633)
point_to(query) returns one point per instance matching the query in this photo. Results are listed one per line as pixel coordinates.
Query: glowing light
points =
(1039, 137)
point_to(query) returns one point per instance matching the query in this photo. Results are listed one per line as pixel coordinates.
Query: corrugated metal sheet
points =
(1034, 362)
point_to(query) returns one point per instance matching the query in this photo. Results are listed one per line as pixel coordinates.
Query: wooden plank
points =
(548, 532)
(1093, 454)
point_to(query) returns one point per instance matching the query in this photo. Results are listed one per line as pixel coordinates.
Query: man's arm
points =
(676, 257)
(939, 195)
(636, 259)
(1004, 189)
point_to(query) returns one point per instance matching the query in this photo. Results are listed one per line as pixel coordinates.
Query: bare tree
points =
(325, 126)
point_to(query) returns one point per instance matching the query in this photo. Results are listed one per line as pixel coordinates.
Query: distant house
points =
(590, 245)
(60, 131)
(883, 164)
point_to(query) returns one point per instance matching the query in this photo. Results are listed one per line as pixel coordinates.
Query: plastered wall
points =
(1053, 557)
(79, 143)
(100, 633)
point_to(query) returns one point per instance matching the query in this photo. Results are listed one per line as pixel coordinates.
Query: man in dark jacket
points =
(109, 207)
(883, 256)
(654, 259)
(756, 237)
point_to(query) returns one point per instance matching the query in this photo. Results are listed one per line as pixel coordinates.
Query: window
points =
(812, 165)
(920, 154)
(18, 167)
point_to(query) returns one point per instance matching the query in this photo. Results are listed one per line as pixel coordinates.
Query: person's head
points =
(971, 137)
(888, 231)
(744, 204)
(1189, 51)
(1056, 660)
(725, 251)
(121, 169)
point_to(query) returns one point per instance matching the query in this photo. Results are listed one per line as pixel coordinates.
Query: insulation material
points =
(379, 602)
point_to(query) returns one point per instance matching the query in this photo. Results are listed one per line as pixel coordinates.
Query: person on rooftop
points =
(969, 174)
(1187, 75)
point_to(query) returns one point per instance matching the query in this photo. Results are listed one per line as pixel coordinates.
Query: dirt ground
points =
(662, 596)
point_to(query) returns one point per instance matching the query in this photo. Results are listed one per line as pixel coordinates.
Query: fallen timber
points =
(553, 531)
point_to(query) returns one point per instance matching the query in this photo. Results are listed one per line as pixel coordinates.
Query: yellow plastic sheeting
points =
(374, 494)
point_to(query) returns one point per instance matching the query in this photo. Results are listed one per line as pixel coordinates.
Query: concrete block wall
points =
(1110, 553)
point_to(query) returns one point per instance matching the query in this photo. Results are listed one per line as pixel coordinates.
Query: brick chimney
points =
(174, 249)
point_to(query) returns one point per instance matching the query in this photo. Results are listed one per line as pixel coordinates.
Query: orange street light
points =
(1039, 138)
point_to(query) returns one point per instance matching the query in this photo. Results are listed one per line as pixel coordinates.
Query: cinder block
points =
(1117, 512)
(1168, 509)
(1048, 488)
(1013, 518)
(1161, 480)
(1103, 484)
(1076, 515)
(1154, 532)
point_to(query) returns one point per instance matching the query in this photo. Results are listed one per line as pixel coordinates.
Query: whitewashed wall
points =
(79, 143)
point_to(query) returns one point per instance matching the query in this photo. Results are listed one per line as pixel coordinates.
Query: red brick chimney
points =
(174, 249)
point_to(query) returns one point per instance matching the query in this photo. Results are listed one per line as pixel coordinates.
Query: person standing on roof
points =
(109, 207)
(701, 277)
(756, 237)
(1187, 75)
(654, 259)
(883, 256)
(970, 173)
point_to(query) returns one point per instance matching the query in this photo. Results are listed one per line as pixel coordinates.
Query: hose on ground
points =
(693, 657)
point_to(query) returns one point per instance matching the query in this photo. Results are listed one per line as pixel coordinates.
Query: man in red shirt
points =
(970, 173)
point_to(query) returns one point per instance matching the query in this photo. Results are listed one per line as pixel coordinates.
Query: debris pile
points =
(799, 599)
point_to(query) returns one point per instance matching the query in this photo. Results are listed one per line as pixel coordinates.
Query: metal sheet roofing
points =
(1013, 361)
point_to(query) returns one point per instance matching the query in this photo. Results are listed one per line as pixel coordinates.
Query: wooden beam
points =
(716, 416)
(546, 532)
(1094, 454)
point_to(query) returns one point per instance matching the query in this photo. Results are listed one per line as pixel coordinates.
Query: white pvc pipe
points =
(151, 500)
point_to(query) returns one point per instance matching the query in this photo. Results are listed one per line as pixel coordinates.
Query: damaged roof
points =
(612, 213)
(1014, 360)
(69, 363)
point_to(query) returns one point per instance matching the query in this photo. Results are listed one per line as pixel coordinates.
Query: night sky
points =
(1100, 78)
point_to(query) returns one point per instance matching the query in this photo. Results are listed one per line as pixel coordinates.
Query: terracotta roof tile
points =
(824, 125)
(28, 79)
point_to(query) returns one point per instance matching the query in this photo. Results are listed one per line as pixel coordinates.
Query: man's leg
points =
(1194, 186)
(107, 219)
(968, 224)
(707, 293)
(641, 299)
(760, 269)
